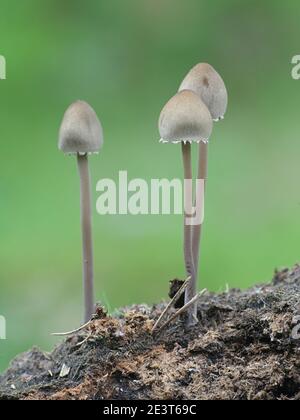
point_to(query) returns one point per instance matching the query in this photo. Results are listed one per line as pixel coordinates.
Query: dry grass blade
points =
(171, 303)
(84, 341)
(64, 334)
(182, 310)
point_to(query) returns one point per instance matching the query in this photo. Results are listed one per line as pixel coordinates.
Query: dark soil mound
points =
(244, 347)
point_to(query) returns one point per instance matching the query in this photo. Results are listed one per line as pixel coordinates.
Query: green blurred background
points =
(127, 57)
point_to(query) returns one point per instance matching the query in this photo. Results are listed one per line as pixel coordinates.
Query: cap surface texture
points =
(81, 131)
(185, 118)
(208, 84)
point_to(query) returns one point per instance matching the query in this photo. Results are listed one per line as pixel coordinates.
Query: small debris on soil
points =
(175, 286)
(65, 370)
(245, 347)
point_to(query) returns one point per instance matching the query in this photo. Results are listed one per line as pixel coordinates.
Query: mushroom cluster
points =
(188, 118)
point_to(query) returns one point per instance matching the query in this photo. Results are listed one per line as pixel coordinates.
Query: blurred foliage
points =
(127, 58)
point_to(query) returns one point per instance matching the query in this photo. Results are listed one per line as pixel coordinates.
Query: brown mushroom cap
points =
(81, 131)
(208, 84)
(185, 118)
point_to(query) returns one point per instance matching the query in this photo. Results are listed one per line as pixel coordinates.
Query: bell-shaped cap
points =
(208, 84)
(185, 118)
(81, 131)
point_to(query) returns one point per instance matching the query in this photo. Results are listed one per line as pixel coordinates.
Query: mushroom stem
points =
(202, 174)
(87, 244)
(190, 291)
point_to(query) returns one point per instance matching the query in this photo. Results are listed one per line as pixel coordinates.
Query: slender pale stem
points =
(202, 174)
(190, 291)
(87, 244)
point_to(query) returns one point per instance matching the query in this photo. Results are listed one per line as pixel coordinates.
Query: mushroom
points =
(81, 134)
(210, 87)
(185, 119)
(208, 84)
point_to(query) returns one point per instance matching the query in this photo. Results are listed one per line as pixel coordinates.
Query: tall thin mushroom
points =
(185, 119)
(81, 134)
(210, 87)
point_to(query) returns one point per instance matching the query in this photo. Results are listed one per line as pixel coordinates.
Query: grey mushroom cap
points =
(185, 118)
(208, 84)
(81, 131)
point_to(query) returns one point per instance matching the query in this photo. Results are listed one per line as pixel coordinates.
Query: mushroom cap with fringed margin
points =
(81, 131)
(208, 84)
(185, 118)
